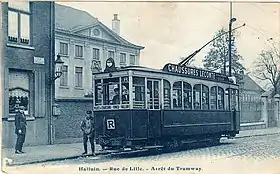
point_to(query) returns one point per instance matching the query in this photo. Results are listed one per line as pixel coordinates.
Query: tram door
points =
(153, 103)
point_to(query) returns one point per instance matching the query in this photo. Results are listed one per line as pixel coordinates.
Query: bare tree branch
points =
(266, 67)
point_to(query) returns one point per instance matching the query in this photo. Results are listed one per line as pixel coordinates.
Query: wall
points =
(67, 125)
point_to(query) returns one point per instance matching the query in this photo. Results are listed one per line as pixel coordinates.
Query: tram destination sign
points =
(195, 72)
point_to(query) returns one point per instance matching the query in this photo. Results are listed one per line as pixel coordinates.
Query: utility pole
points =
(229, 43)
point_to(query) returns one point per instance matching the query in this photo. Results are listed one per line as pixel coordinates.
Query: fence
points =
(271, 113)
(250, 111)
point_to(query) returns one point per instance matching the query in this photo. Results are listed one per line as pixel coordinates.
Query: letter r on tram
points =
(111, 124)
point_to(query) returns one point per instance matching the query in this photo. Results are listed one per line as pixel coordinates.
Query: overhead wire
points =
(260, 31)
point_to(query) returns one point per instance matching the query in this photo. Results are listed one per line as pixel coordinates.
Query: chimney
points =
(116, 24)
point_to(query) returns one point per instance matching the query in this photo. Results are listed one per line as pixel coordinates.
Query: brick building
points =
(250, 100)
(27, 58)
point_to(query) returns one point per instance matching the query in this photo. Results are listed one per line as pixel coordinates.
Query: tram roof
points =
(176, 70)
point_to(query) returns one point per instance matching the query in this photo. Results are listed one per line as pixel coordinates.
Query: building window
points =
(79, 51)
(63, 48)
(19, 22)
(64, 76)
(111, 54)
(132, 60)
(122, 59)
(78, 77)
(95, 54)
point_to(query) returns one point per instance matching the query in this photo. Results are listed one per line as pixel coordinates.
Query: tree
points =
(217, 58)
(267, 68)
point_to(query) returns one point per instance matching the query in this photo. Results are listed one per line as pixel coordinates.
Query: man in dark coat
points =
(20, 129)
(87, 127)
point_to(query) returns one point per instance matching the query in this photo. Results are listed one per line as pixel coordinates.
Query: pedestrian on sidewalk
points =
(20, 129)
(87, 127)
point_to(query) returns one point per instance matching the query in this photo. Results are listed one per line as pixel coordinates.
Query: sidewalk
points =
(37, 154)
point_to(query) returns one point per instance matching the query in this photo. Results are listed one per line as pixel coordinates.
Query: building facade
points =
(85, 43)
(250, 100)
(27, 63)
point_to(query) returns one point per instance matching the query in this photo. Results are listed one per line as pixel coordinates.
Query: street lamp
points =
(229, 44)
(58, 68)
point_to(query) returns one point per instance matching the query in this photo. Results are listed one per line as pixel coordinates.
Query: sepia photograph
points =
(157, 87)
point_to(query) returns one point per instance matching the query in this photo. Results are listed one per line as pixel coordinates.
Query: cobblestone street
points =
(244, 155)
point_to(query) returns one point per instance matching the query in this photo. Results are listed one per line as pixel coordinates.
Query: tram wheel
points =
(215, 141)
(172, 145)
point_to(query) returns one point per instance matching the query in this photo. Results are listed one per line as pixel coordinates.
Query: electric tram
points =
(137, 107)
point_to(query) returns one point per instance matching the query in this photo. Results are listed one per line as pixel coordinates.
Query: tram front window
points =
(125, 90)
(111, 91)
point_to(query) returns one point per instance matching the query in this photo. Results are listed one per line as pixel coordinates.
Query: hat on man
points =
(89, 112)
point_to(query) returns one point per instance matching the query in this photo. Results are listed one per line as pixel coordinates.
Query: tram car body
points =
(139, 107)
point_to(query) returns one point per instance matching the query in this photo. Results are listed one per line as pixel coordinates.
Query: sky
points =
(170, 30)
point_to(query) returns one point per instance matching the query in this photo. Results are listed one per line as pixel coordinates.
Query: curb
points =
(97, 154)
(53, 159)
(257, 135)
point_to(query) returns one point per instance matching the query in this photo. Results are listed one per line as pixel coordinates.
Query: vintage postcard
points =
(190, 87)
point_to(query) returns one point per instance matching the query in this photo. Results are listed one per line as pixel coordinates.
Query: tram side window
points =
(138, 92)
(167, 98)
(220, 98)
(125, 90)
(205, 97)
(227, 99)
(187, 90)
(196, 96)
(153, 94)
(111, 91)
(98, 92)
(234, 99)
(213, 98)
(177, 95)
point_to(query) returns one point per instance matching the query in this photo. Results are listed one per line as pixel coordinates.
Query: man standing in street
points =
(87, 127)
(20, 129)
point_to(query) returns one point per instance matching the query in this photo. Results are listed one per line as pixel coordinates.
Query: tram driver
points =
(116, 98)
